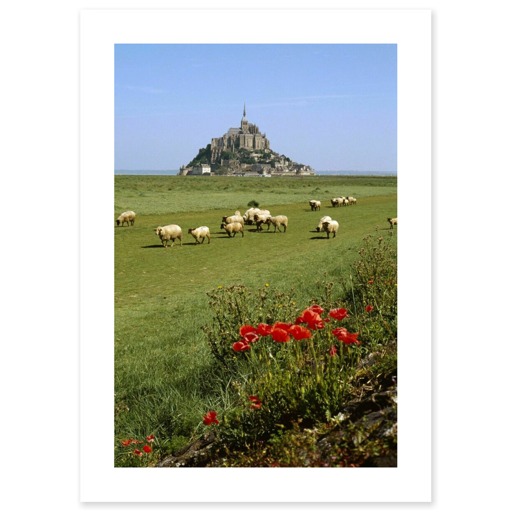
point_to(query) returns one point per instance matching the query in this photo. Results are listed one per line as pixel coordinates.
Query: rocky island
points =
(243, 151)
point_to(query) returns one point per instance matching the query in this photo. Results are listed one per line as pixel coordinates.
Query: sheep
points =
(128, 217)
(170, 232)
(337, 201)
(315, 204)
(352, 200)
(330, 227)
(233, 228)
(278, 220)
(231, 218)
(248, 216)
(200, 233)
(260, 219)
(392, 222)
(325, 218)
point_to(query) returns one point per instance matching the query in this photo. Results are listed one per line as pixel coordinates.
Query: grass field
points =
(163, 378)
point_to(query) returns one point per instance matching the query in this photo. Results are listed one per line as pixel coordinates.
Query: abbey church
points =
(248, 136)
(242, 151)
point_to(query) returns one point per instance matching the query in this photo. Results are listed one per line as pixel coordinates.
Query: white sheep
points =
(337, 201)
(325, 218)
(230, 219)
(233, 228)
(278, 220)
(315, 204)
(260, 219)
(392, 222)
(128, 217)
(351, 200)
(200, 233)
(170, 232)
(330, 227)
(248, 216)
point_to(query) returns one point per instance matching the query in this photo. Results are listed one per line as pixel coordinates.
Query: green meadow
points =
(165, 377)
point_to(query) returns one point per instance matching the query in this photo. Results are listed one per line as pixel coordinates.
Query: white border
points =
(99, 480)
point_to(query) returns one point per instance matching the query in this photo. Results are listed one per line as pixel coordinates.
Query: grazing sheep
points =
(233, 228)
(325, 218)
(315, 204)
(170, 232)
(330, 227)
(392, 222)
(260, 219)
(230, 219)
(128, 217)
(200, 233)
(278, 220)
(352, 200)
(344, 201)
(248, 216)
(337, 201)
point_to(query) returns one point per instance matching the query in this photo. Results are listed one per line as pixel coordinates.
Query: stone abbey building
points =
(242, 151)
(248, 136)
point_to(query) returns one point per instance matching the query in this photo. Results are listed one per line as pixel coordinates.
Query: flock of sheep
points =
(235, 223)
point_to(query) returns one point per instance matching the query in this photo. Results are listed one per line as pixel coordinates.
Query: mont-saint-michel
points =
(243, 151)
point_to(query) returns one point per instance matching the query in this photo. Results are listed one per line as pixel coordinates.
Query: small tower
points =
(244, 125)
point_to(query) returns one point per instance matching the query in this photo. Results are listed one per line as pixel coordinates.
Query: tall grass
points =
(166, 373)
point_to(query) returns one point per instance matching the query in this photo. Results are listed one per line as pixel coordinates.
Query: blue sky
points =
(329, 106)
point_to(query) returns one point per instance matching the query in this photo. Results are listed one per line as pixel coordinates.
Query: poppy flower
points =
(346, 337)
(150, 439)
(210, 417)
(280, 335)
(282, 325)
(310, 317)
(333, 351)
(241, 346)
(368, 308)
(256, 402)
(137, 452)
(251, 337)
(147, 448)
(316, 309)
(246, 329)
(264, 329)
(338, 313)
(299, 332)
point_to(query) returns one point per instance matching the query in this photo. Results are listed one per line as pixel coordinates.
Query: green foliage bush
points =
(304, 381)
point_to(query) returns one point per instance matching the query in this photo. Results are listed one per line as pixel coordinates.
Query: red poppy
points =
(264, 329)
(150, 438)
(251, 337)
(128, 442)
(245, 329)
(241, 346)
(137, 452)
(210, 417)
(282, 325)
(370, 281)
(310, 317)
(256, 402)
(333, 351)
(316, 309)
(368, 308)
(346, 337)
(147, 448)
(280, 335)
(338, 313)
(299, 332)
